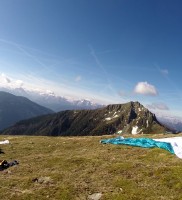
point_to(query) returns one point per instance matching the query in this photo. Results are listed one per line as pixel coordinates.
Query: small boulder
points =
(95, 196)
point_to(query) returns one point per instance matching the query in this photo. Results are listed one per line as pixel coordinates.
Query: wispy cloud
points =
(38, 84)
(92, 52)
(18, 46)
(124, 94)
(164, 72)
(158, 106)
(145, 88)
(40, 61)
(78, 78)
(99, 64)
(171, 82)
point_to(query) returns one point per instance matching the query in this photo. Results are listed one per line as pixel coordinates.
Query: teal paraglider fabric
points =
(139, 142)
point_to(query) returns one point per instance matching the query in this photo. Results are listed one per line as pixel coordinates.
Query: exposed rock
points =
(131, 118)
(95, 196)
(41, 180)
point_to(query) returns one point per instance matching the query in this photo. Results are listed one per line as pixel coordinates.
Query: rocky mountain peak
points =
(129, 118)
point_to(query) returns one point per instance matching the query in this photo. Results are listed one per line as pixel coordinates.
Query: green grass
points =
(75, 167)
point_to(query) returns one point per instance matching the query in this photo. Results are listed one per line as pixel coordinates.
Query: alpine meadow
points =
(90, 99)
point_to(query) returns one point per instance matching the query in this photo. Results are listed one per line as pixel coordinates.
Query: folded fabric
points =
(4, 142)
(140, 142)
(176, 143)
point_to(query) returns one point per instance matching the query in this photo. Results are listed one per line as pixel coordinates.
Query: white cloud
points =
(145, 88)
(78, 78)
(7, 82)
(32, 83)
(158, 106)
(123, 93)
(4, 79)
(19, 83)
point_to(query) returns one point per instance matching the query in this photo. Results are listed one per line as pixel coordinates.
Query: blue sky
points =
(110, 51)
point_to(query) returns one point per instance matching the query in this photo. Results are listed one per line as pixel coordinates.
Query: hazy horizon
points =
(110, 51)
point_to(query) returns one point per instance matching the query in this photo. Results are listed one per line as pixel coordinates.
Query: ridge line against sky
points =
(111, 51)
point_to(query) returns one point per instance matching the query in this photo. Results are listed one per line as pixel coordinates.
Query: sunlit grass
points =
(74, 167)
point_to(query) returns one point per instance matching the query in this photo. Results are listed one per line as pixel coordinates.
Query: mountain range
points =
(50, 100)
(173, 122)
(15, 108)
(131, 118)
(59, 103)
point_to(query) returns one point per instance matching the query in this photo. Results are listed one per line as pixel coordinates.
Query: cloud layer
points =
(6, 81)
(157, 106)
(145, 88)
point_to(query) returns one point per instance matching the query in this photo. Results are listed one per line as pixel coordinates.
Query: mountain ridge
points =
(15, 108)
(59, 103)
(50, 100)
(132, 118)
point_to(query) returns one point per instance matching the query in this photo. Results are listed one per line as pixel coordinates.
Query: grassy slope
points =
(78, 166)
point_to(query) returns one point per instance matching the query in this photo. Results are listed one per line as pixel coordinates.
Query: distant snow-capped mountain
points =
(168, 119)
(173, 122)
(57, 103)
(50, 100)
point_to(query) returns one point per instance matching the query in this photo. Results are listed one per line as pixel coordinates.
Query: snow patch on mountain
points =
(134, 130)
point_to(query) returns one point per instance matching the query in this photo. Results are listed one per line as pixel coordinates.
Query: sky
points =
(108, 51)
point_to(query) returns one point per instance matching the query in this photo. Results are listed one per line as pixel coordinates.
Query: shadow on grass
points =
(1, 151)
